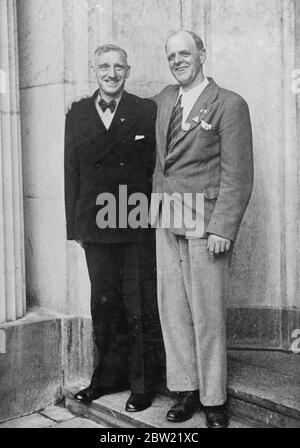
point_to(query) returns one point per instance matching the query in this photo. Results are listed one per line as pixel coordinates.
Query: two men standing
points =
(204, 145)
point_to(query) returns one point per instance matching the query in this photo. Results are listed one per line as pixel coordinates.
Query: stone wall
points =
(40, 354)
(251, 49)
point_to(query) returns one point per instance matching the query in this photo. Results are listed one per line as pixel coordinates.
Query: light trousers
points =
(192, 308)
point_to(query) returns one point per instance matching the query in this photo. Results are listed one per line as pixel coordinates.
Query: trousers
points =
(192, 308)
(125, 315)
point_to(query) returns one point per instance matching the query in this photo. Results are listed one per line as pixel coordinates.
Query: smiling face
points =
(185, 59)
(111, 71)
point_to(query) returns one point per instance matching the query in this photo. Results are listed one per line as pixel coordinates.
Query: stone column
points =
(12, 277)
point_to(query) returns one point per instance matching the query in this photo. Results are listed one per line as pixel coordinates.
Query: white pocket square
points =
(139, 137)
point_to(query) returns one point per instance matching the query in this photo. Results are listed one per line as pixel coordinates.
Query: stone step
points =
(268, 392)
(264, 391)
(109, 411)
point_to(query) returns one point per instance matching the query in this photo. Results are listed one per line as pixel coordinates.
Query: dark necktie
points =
(175, 122)
(105, 105)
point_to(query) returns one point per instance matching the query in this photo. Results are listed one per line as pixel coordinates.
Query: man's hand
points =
(74, 100)
(217, 245)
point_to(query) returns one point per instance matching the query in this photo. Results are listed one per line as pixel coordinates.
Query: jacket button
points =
(122, 164)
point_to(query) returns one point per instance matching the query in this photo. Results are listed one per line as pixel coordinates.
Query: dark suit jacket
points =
(216, 162)
(98, 161)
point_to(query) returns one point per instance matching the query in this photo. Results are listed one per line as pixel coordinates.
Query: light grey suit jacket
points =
(217, 162)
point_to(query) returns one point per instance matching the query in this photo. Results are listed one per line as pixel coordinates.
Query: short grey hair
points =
(198, 41)
(110, 47)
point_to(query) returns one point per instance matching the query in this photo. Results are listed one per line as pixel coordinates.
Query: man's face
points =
(111, 71)
(185, 60)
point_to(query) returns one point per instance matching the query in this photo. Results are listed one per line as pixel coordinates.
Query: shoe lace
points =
(189, 396)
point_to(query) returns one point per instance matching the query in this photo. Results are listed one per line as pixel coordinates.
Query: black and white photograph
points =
(149, 217)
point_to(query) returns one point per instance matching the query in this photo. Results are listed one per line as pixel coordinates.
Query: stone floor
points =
(52, 417)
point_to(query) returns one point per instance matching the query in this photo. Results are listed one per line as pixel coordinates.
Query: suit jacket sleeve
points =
(159, 97)
(71, 174)
(236, 175)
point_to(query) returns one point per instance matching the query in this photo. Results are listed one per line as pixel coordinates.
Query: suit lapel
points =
(92, 126)
(93, 130)
(200, 110)
(124, 119)
(123, 122)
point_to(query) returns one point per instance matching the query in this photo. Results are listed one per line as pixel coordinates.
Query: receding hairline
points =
(110, 47)
(197, 39)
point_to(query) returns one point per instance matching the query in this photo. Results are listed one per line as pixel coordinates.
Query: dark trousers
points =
(125, 315)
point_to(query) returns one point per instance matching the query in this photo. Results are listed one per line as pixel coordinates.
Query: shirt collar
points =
(192, 94)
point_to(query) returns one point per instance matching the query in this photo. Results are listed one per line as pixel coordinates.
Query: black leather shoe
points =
(186, 406)
(89, 394)
(216, 416)
(138, 402)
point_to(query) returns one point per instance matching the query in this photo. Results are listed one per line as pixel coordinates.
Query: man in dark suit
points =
(110, 142)
(204, 145)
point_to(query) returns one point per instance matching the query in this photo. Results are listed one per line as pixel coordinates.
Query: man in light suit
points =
(204, 145)
(110, 141)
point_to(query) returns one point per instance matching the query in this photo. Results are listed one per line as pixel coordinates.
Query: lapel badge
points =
(122, 119)
(196, 119)
(186, 127)
(205, 126)
(205, 108)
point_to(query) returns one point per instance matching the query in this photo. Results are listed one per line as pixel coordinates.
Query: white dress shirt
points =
(107, 116)
(188, 99)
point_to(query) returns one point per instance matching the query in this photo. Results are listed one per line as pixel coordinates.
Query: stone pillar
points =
(12, 278)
